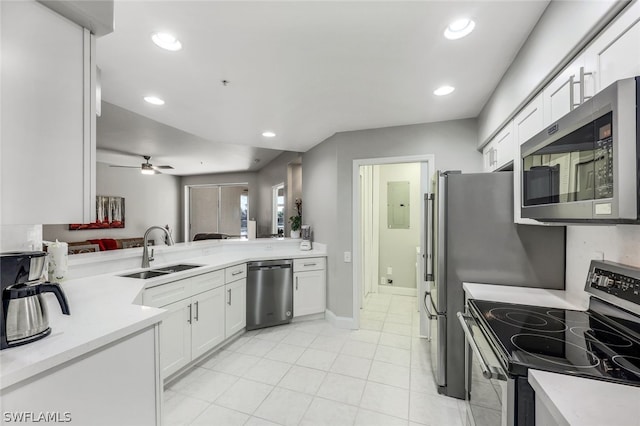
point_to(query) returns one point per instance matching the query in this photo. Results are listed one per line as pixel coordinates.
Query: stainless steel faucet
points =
(145, 250)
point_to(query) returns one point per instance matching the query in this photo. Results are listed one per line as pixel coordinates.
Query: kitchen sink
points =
(176, 268)
(158, 272)
(144, 275)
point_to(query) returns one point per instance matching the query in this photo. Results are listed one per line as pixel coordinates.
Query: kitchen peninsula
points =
(107, 353)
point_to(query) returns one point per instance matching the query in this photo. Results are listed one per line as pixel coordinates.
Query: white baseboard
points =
(398, 291)
(340, 322)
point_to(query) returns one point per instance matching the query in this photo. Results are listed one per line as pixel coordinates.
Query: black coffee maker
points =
(24, 317)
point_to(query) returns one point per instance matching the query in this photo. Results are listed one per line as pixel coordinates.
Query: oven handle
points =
(474, 347)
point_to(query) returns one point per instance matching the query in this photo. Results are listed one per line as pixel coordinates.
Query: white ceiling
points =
(302, 69)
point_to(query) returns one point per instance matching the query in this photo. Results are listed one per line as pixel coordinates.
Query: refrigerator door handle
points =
(439, 241)
(428, 207)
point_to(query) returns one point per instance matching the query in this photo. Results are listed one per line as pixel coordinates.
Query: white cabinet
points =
(526, 124)
(615, 53)
(208, 321)
(236, 299)
(196, 321)
(47, 172)
(499, 151)
(175, 338)
(309, 286)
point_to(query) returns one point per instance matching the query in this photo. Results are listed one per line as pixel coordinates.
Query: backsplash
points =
(619, 243)
(20, 237)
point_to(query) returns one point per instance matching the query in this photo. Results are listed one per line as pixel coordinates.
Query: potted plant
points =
(296, 223)
(296, 220)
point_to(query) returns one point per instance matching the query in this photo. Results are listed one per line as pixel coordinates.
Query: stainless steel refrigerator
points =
(471, 237)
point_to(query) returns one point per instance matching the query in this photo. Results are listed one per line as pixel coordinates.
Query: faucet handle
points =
(151, 256)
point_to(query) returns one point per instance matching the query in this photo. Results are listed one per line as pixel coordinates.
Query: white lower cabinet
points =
(196, 322)
(175, 338)
(208, 321)
(235, 308)
(309, 286)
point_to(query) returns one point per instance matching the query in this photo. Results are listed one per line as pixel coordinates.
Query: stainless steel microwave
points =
(584, 167)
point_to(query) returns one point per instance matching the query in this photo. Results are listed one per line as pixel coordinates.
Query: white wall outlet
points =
(347, 257)
(389, 270)
(383, 280)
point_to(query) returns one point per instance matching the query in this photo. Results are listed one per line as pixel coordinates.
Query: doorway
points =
(389, 241)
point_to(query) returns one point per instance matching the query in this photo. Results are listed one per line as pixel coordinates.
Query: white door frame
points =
(426, 171)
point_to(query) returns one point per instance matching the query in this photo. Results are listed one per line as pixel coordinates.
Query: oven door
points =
(487, 386)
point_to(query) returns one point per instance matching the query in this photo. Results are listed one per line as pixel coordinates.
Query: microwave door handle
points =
(428, 267)
(474, 347)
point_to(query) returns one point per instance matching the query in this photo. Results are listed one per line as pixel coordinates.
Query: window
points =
(278, 210)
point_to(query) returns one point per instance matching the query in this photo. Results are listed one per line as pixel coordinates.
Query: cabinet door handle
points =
(297, 283)
(309, 264)
(196, 316)
(189, 319)
(229, 302)
(236, 273)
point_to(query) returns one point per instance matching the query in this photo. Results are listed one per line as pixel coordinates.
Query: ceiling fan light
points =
(147, 169)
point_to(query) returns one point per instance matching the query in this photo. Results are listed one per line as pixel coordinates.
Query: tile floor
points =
(311, 373)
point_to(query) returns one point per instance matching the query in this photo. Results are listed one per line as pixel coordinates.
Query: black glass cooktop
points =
(563, 341)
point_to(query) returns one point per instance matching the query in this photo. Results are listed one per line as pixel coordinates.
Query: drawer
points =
(206, 282)
(235, 273)
(166, 294)
(310, 264)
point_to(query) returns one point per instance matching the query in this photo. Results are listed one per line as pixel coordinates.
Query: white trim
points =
(340, 322)
(398, 291)
(355, 213)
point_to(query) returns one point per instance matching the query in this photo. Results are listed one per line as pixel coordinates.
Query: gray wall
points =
(327, 184)
(149, 200)
(272, 174)
(564, 28)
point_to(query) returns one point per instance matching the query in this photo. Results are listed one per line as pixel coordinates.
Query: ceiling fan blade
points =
(126, 167)
(162, 167)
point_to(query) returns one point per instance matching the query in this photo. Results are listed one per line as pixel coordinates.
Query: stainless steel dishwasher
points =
(269, 293)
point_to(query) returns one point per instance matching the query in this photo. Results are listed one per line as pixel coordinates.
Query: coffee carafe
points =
(23, 309)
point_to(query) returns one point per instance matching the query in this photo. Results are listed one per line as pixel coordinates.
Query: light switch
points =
(389, 270)
(347, 257)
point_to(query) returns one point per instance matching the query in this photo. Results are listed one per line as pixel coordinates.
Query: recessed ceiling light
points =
(460, 28)
(268, 134)
(166, 41)
(154, 100)
(444, 90)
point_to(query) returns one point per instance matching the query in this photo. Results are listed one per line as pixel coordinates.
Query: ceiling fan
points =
(147, 168)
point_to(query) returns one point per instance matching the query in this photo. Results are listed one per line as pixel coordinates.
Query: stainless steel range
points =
(505, 340)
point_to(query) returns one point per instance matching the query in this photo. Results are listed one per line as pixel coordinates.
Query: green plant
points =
(296, 222)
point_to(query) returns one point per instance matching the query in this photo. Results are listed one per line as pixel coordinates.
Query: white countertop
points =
(523, 295)
(102, 309)
(574, 401)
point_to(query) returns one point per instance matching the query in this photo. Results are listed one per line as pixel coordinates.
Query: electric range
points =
(580, 343)
(506, 339)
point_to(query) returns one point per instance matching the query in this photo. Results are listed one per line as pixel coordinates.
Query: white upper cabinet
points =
(567, 91)
(499, 151)
(615, 54)
(527, 123)
(48, 117)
